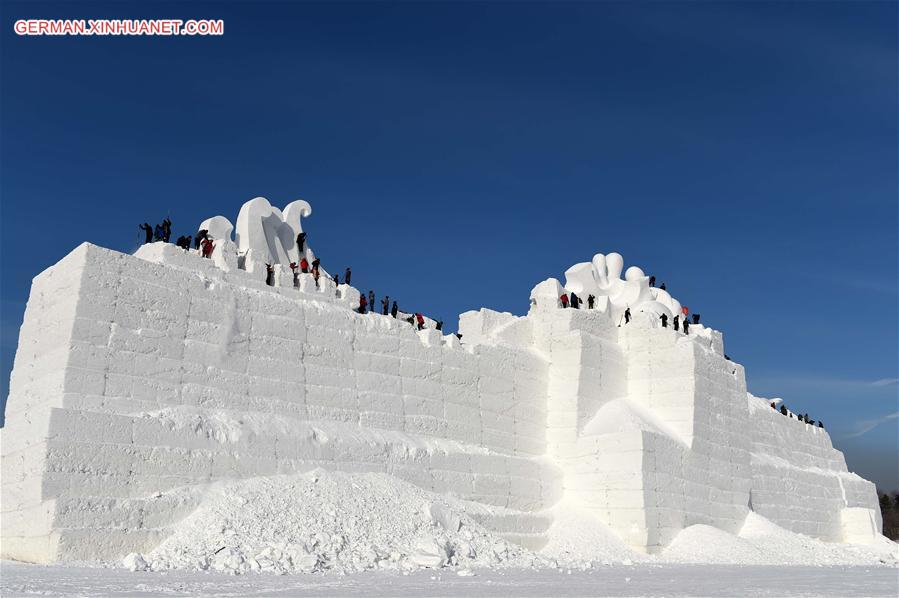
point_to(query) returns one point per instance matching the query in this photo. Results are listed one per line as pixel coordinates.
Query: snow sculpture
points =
(265, 233)
(218, 227)
(602, 278)
(140, 380)
(294, 212)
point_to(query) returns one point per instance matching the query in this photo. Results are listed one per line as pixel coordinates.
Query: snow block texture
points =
(136, 376)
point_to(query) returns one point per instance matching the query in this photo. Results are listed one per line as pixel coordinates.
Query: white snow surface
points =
(330, 522)
(341, 523)
(166, 410)
(21, 580)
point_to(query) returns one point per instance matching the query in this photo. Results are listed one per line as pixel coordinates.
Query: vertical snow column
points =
(718, 469)
(68, 455)
(37, 385)
(695, 467)
(602, 465)
(510, 408)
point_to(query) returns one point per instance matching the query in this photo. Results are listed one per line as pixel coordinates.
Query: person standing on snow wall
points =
(207, 247)
(148, 232)
(301, 242)
(201, 234)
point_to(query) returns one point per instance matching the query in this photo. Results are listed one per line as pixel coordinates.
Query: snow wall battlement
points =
(136, 375)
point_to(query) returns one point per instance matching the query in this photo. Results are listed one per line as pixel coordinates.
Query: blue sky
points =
(456, 155)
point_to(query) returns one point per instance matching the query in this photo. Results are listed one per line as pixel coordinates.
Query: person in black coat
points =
(301, 242)
(664, 319)
(575, 300)
(148, 232)
(394, 310)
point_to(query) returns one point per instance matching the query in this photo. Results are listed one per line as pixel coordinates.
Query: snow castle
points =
(139, 374)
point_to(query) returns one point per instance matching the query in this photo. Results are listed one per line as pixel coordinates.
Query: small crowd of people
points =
(676, 322)
(203, 242)
(367, 305)
(803, 419)
(571, 300)
(161, 232)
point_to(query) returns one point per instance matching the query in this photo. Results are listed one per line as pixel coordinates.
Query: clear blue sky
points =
(456, 155)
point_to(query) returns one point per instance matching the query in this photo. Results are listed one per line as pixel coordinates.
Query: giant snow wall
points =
(135, 375)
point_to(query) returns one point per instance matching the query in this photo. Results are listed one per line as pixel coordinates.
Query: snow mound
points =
(710, 545)
(762, 542)
(330, 522)
(577, 537)
(784, 547)
(334, 522)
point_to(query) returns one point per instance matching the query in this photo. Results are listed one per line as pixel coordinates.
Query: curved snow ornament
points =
(218, 227)
(601, 277)
(263, 231)
(294, 212)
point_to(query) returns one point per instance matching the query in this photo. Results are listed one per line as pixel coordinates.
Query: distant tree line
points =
(889, 507)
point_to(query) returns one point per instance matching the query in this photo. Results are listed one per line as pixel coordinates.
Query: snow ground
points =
(19, 579)
(336, 534)
(344, 523)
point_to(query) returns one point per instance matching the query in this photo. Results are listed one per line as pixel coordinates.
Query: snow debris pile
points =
(328, 522)
(339, 523)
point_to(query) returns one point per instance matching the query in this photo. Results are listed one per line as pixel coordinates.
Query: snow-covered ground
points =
(333, 534)
(342, 523)
(638, 580)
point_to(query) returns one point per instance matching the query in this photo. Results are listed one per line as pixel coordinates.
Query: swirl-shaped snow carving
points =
(264, 232)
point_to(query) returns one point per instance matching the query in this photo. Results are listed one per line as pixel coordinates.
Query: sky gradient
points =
(456, 155)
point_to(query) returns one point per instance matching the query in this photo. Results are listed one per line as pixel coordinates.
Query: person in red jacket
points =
(304, 266)
(362, 303)
(207, 247)
(421, 321)
(564, 299)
